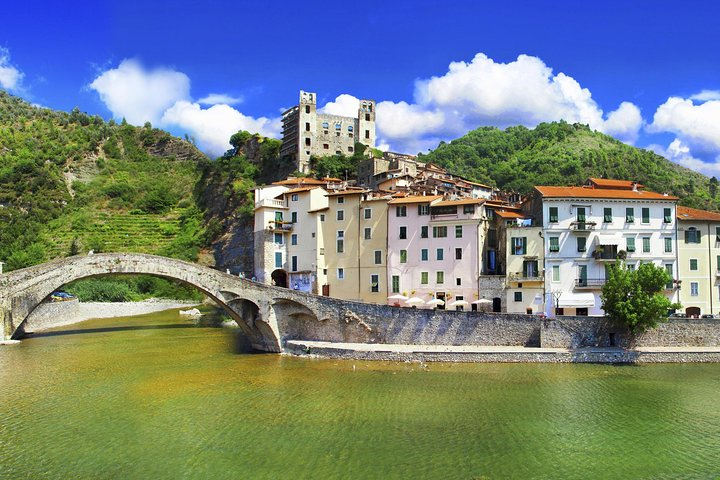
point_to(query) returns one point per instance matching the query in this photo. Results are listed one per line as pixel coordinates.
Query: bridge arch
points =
(22, 291)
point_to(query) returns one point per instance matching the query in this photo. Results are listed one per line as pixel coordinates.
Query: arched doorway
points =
(279, 278)
(691, 312)
(497, 305)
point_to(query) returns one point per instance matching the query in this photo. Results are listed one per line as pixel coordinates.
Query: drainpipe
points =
(710, 269)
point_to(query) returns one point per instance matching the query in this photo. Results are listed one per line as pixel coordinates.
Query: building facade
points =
(306, 132)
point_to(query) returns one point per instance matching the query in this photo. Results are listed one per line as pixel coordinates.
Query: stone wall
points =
(578, 332)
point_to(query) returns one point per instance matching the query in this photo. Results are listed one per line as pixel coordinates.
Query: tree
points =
(635, 297)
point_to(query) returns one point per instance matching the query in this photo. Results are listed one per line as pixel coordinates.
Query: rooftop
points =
(687, 213)
(614, 184)
(588, 192)
(415, 199)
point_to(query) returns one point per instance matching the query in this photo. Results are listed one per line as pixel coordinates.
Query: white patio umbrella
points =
(398, 296)
(414, 302)
(459, 303)
(435, 302)
(482, 301)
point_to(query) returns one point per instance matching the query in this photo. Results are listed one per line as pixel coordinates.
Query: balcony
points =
(523, 277)
(589, 283)
(270, 202)
(277, 226)
(582, 227)
(606, 253)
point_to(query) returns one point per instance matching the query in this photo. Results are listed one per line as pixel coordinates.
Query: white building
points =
(586, 229)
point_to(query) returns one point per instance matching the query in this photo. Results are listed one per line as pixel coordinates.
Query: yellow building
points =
(699, 260)
(524, 258)
(373, 248)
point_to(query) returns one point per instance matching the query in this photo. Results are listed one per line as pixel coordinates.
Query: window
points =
(530, 268)
(350, 128)
(581, 244)
(338, 126)
(403, 256)
(424, 278)
(350, 149)
(645, 215)
(458, 282)
(519, 245)
(340, 199)
(458, 231)
(293, 239)
(322, 217)
(403, 233)
(322, 251)
(424, 255)
(646, 244)
(293, 263)
(325, 125)
(668, 244)
(607, 215)
(340, 234)
(439, 277)
(630, 247)
(367, 133)
(692, 235)
(553, 215)
(556, 273)
(368, 233)
(423, 209)
(401, 211)
(340, 215)
(307, 126)
(367, 117)
(307, 108)
(340, 245)
(396, 284)
(693, 264)
(293, 217)
(378, 257)
(340, 273)
(581, 214)
(326, 146)
(694, 289)
(667, 215)
(278, 259)
(367, 213)
(669, 270)
(458, 254)
(439, 254)
(517, 296)
(717, 234)
(374, 283)
(294, 197)
(439, 232)
(468, 209)
(424, 231)
(629, 215)
(307, 142)
(278, 238)
(554, 244)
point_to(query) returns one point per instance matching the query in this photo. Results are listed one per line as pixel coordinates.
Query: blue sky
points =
(645, 72)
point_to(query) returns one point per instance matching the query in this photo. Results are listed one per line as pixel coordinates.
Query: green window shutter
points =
(607, 215)
(581, 244)
(553, 214)
(630, 215)
(645, 215)
(667, 215)
(554, 244)
(424, 278)
(581, 214)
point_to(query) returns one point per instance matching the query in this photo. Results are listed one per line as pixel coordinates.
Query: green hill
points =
(70, 182)
(519, 158)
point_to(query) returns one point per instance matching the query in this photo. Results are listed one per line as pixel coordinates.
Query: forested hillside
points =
(70, 183)
(518, 158)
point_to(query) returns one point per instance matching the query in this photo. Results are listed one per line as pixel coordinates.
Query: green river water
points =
(156, 397)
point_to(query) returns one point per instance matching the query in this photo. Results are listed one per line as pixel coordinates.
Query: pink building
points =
(434, 248)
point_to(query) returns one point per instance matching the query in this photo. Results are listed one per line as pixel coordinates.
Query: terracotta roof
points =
(462, 201)
(353, 191)
(617, 184)
(585, 192)
(504, 214)
(306, 181)
(415, 199)
(477, 184)
(687, 213)
(300, 189)
(322, 209)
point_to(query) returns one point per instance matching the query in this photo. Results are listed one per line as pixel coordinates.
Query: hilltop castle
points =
(307, 132)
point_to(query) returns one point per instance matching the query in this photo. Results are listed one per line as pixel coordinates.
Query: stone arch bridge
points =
(267, 315)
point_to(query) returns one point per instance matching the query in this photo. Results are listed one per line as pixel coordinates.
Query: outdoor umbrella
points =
(435, 302)
(414, 302)
(459, 303)
(398, 296)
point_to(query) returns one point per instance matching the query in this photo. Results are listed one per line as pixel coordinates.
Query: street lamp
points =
(556, 295)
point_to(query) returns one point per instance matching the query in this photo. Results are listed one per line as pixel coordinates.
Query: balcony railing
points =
(605, 256)
(589, 282)
(270, 202)
(525, 277)
(280, 226)
(582, 226)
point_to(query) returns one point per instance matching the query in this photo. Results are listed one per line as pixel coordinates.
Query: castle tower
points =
(366, 123)
(307, 125)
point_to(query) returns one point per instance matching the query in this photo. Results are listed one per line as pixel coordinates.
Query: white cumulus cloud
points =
(696, 124)
(485, 92)
(212, 127)
(344, 105)
(680, 153)
(10, 76)
(162, 97)
(705, 95)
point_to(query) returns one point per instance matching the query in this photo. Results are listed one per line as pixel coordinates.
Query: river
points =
(157, 397)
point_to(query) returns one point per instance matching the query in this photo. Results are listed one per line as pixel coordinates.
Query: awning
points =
(608, 240)
(575, 300)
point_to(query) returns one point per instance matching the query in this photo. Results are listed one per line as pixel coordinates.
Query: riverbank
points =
(58, 314)
(501, 354)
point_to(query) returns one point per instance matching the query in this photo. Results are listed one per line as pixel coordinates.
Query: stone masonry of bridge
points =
(271, 316)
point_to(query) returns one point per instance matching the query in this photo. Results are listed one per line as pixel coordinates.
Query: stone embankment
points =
(73, 311)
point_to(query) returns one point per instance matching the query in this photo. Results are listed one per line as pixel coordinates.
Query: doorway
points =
(279, 278)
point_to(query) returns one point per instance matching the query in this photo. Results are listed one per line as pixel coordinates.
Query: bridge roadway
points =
(268, 315)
